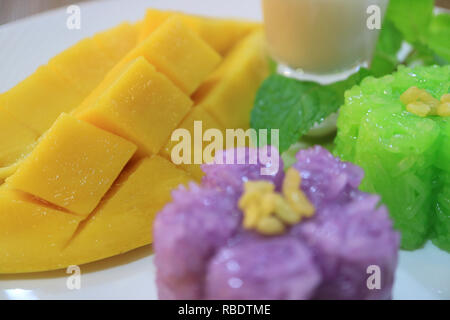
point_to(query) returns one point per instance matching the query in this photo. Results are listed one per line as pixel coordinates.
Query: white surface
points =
(26, 44)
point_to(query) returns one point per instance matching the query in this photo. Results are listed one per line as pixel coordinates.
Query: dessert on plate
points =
(397, 129)
(307, 233)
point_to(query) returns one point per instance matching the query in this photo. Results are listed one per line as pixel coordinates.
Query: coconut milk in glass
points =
(321, 37)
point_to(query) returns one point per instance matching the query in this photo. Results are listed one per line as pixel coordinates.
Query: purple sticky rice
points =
(203, 252)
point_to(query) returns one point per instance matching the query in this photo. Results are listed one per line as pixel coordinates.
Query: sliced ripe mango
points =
(73, 165)
(118, 41)
(40, 99)
(95, 94)
(220, 34)
(5, 172)
(179, 53)
(170, 45)
(72, 75)
(228, 94)
(32, 235)
(124, 219)
(82, 171)
(85, 65)
(142, 106)
(152, 20)
(207, 122)
(16, 140)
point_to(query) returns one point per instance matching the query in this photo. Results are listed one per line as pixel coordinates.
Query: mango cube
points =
(179, 53)
(84, 65)
(206, 122)
(118, 41)
(142, 106)
(32, 235)
(16, 140)
(220, 34)
(153, 19)
(124, 219)
(73, 165)
(228, 94)
(40, 99)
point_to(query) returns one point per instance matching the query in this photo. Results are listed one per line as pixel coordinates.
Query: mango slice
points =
(179, 53)
(32, 235)
(15, 140)
(99, 194)
(84, 65)
(118, 41)
(123, 221)
(228, 94)
(5, 172)
(220, 34)
(73, 165)
(174, 41)
(142, 106)
(207, 122)
(38, 100)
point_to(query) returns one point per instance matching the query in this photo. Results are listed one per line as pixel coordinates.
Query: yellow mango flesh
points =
(40, 99)
(124, 220)
(167, 51)
(73, 165)
(228, 94)
(220, 34)
(16, 140)
(118, 41)
(142, 106)
(207, 122)
(78, 176)
(84, 65)
(5, 172)
(32, 235)
(179, 53)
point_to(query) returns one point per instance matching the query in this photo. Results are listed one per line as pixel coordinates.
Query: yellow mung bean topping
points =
(269, 212)
(422, 103)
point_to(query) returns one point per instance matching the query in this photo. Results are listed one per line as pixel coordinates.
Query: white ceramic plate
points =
(26, 44)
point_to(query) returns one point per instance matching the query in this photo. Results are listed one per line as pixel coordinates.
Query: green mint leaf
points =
(273, 66)
(294, 106)
(385, 59)
(411, 18)
(438, 38)
(424, 56)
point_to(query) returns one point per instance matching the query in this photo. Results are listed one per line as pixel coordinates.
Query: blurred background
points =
(11, 10)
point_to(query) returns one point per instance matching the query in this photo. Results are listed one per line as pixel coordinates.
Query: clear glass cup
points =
(321, 40)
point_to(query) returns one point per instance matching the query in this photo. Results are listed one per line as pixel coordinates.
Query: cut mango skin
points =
(220, 34)
(142, 106)
(73, 165)
(119, 217)
(32, 236)
(228, 94)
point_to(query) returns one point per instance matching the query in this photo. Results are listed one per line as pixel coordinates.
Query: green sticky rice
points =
(406, 158)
